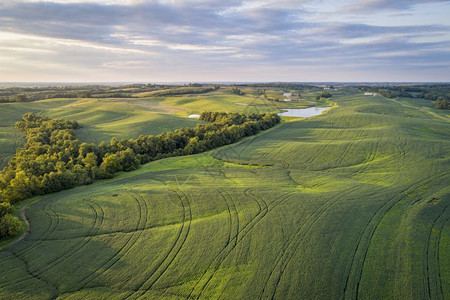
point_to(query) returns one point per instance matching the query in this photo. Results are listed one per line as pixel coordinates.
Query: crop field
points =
(103, 119)
(351, 204)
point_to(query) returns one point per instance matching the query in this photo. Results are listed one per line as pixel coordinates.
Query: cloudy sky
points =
(224, 40)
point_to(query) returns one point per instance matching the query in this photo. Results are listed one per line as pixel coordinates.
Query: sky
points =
(225, 40)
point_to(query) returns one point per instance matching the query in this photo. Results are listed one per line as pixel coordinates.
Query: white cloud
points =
(106, 2)
(132, 39)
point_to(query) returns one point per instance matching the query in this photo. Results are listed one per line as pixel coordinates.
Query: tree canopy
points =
(52, 159)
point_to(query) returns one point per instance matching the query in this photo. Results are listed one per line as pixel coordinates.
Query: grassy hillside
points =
(101, 120)
(350, 204)
(104, 118)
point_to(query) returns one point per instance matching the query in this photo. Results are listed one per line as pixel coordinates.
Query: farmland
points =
(350, 204)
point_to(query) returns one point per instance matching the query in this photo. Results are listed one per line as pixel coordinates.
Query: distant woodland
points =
(438, 93)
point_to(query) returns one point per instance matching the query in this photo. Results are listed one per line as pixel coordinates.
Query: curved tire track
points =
(178, 244)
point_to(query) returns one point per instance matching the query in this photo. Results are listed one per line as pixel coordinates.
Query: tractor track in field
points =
(436, 284)
(348, 146)
(343, 154)
(108, 233)
(127, 246)
(282, 164)
(284, 258)
(58, 218)
(230, 220)
(30, 247)
(276, 153)
(352, 283)
(35, 277)
(260, 211)
(371, 157)
(402, 153)
(312, 158)
(321, 149)
(227, 250)
(236, 237)
(263, 209)
(439, 253)
(233, 216)
(48, 231)
(173, 252)
(69, 253)
(287, 154)
(96, 226)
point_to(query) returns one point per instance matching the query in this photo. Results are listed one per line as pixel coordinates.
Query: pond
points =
(303, 112)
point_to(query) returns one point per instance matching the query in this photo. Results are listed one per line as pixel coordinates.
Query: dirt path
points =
(438, 115)
(24, 218)
(423, 110)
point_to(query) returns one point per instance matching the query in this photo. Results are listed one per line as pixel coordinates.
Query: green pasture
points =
(352, 204)
(103, 119)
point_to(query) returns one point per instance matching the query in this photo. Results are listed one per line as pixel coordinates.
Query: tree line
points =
(30, 94)
(439, 93)
(52, 159)
(187, 90)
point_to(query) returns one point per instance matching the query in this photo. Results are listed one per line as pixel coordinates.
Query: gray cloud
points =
(224, 35)
(400, 5)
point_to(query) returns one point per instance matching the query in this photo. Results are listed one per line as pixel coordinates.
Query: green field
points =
(350, 204)
(103, 119)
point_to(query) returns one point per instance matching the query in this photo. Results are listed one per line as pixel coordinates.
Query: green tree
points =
(128, 160)
(111, 164)
(21, 98)
(326, 95)
(5, 208)
(90, 161)
(237, 91)
(442, 103)
(9, 226)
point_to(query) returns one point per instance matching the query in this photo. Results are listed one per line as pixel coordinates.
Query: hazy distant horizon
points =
(62, 83)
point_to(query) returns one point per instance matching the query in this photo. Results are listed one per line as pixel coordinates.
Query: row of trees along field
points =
(17, 94)
(52, 159)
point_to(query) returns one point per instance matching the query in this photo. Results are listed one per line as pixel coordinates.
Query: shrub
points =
(5, 208)
(9, 226)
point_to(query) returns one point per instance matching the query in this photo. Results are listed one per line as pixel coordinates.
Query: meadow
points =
(351, 204)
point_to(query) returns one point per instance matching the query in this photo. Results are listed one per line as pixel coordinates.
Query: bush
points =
(10, 226)
(326, 95)
(5, 208)
(442, 103)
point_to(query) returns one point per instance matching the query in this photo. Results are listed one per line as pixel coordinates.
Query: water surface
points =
(303, 112)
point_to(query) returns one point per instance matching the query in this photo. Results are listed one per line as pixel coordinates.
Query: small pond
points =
(303, 112)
